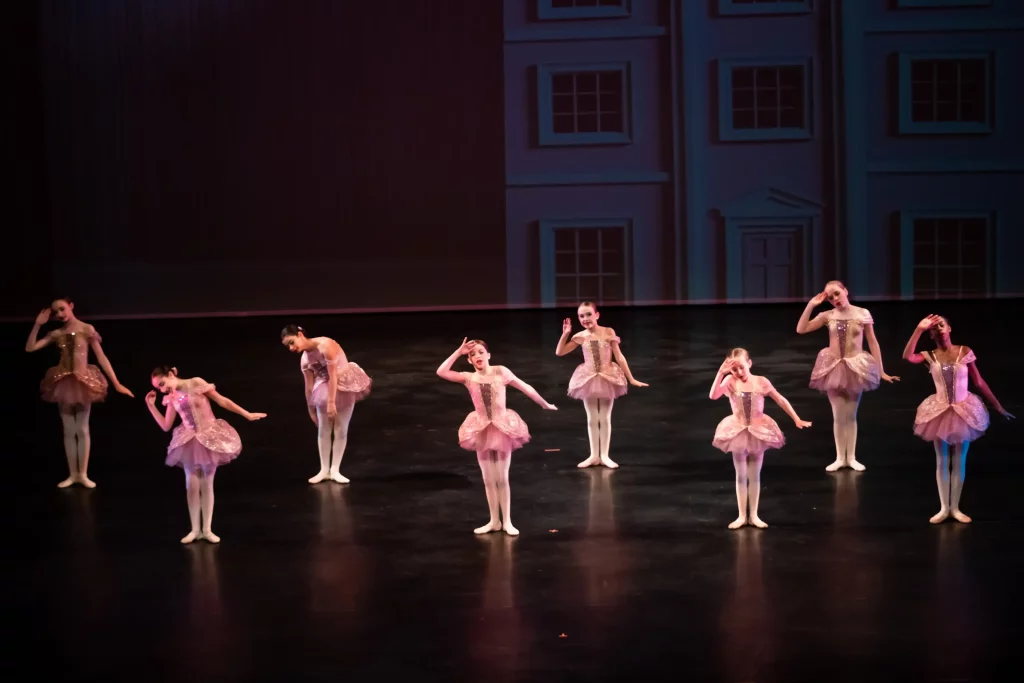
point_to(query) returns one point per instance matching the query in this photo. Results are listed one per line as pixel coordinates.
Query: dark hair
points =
(838, 283)
(292, 331)
(164, 371)
(588, 303)
(65, 299)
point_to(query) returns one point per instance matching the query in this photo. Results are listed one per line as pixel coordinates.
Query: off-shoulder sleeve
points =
(166, 400)
(865, 318)
(93, 335)
(579, 337)
(507, 376)
(304, 361)
(766, 385)
(970, 357)
(617, 339)
(201, 386)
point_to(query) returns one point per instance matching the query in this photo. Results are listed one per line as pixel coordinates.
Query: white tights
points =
(949, 477)
(494, 468)
(748, 487)
(335, 431)
(199, 493)
(77, 444)
(599, 429)
(844, 428)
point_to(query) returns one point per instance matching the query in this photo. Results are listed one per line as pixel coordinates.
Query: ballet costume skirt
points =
(953, 414)
(598, 376)
(844, 365)
(73, 381)
(491, 426)
(748, 429)
(201, 440)
(353, 382)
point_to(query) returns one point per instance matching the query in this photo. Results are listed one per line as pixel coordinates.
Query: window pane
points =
(589, 288)
(972, 253)
(561, 104)
(948, 279)
(586, 104)
(588, 262)
(948, 253)
(766, 77)
(565, 240)
(614, 288)
(611, 239)
(611, 103)
(563, 123)
(972, 281)
(586, 123)
(743, 98)
(947, 230)
(562, 84)
(565, 263)
(586, 83)
(767, 118)
(565, 288)
(924, 281)
(792, 118)
(924, 253)
(743, 119)
(611, 123)
(742, 78)
(588, 239)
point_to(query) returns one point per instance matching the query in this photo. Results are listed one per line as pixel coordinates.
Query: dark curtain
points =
(255, 155)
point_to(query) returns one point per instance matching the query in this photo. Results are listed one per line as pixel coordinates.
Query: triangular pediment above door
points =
(771, 202)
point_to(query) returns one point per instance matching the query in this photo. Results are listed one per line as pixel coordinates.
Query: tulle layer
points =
(83, 387)
(853, 374)
(609, 383)
(937, 420)
(193, 454)
(732, 436)
(353, 384)
(505, 433)
(218, 437)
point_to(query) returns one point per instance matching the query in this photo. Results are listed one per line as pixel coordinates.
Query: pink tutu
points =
(853, 374)
(954, 423)
(85, 387)
(353, 385)
(732, 436)
(217, 444)
(506, 433)
(585, 383)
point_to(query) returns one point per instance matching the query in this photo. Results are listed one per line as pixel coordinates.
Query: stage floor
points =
(618, 575)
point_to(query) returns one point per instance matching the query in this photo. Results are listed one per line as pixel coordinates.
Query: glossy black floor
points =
(625, 575)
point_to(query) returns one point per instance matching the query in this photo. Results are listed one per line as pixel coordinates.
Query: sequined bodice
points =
(597, 353)
(845, 336)
(74, 351)
(316, 362)
(747, 405)
(951, 377)
(488, 395)
(194, 409)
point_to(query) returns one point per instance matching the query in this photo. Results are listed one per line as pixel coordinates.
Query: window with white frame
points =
(764, 100)
(945, 93)
(583, 104)
(582, 9)
(741, 7)
(590, 264)
(950, 255)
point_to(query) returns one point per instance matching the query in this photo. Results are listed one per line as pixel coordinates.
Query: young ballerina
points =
(953, 416)
(599, 380)
(842, 370)
(491, 430)
(748, 432)
(333, 385)
(73, 384)
(200, 443)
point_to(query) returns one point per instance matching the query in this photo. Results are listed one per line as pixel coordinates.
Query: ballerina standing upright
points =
(74, 385)
(492, 430)
(333, 385)
(842, 370)
(599, 380)
(952, 417)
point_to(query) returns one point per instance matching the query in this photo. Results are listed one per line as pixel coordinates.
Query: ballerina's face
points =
(62, 310)
(293, 342)
(588, 316)
(479, 357)
(165, 384)
(741, 368)
(940, 331)
(837, 295)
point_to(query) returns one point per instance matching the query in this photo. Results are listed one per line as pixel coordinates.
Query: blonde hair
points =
(739, 351)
